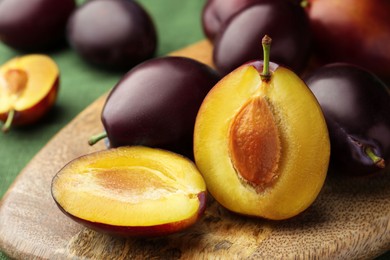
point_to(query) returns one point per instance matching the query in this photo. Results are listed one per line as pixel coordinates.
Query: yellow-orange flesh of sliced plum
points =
(262, 146)
(132, 187)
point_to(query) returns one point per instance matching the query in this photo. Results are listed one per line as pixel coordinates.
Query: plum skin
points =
(356, 106)
(284, 21)
(336, 24)
(114, 34)
(216, 12)
(155, 104)
(34, 25)
(142, 231)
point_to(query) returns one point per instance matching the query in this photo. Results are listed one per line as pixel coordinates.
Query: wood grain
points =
(349, 220)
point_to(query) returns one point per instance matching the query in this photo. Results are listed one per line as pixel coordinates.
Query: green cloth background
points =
(178, 24)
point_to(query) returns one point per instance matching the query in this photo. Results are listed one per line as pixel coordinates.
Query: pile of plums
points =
(300, 28)
(112, 34)
(351, 53)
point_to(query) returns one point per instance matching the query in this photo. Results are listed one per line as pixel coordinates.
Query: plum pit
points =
(255, 145)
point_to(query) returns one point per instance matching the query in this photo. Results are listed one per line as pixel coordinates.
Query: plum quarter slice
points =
(131, 191)
(261, 141)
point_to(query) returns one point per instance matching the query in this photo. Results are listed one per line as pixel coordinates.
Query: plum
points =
(131, 191)
(216, 12)
(336, 24)
(155, 104)
(356, 104)
(29, 86)
(285, 21)
(261, 141)
(34, 25)
(115, 34)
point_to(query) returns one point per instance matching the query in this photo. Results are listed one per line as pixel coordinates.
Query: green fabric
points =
(178, 24)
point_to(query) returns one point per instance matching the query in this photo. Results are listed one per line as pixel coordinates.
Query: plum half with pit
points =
(115, 34)
(285, 21)
(34, 25)
(356, 105)
(261, 141)
(155, 104)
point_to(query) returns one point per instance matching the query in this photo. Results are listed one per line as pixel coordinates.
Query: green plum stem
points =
(266, 42)
(96, 138)
(304, 3)
(380, 162)
(8, 122)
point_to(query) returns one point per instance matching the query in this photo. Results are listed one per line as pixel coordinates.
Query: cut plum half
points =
(29, 86)
(262, 143)
(131, 191)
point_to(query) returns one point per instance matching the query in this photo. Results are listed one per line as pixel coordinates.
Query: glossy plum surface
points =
(155, 104)
(216, 12)
(34, 24)
(240, 39)
(112, 33)
(356, 105)
(352, 31)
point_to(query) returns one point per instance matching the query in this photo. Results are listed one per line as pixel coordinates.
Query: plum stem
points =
(8, 122)
(380, 162)
(304, 3)
(96, 138)
(266, 42)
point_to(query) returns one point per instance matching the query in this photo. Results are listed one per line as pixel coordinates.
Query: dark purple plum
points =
(155, 104)
(239, 41)
(356, 105)
(115, 34)
(216, 12)
(34, 25)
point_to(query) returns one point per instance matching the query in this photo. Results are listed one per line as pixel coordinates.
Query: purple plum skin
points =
(34, 25)
(239, 41)
(116, 34)
(216, 12)
(356, 106)
(155, 104)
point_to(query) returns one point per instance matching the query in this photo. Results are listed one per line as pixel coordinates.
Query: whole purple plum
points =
(356, 105)
(155, 104)
(34, 25)
(115, 34)
(286, 22)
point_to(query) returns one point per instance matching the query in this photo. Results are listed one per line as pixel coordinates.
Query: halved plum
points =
(261, 142)
(131, 191)
(29, 86)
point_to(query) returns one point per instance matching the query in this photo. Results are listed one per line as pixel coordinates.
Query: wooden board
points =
(349, 220)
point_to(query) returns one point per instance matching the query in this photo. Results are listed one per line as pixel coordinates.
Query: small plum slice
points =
(261, 142)
(28, 89)
(131, 191)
